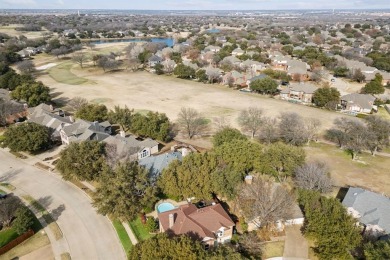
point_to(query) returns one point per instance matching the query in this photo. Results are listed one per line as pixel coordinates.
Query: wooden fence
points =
(16, 241)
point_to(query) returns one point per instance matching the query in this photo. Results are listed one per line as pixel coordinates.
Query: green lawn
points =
(139, 229)
(122, 234)
(383, 113)
(273, 249)
(7, 236)
(62, 74)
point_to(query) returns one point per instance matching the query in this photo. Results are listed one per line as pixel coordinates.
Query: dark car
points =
(3, 196)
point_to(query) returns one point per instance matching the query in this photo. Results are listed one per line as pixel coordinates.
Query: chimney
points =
(171, 220)
(122, 133)
(71, 119)
(51, 107)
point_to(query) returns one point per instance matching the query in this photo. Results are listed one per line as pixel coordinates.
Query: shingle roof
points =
(129, 143)
(306, 88)
(364, 101)
(374, 208)
(201, 223)
(156, 164)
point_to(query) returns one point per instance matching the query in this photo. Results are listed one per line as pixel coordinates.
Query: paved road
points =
(87, 234)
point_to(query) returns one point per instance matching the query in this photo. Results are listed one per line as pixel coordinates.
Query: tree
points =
(227, 135)
(184, 72)
(265, 202)
(250, 245)
(8, 208)
(380, 130)
(201, 76)
(33, 93)
(92, 112)
(225, 180)
(121, 116)
(107, 63)
(80, 58)
(326, 95)
(313, 176)
(239, 155)
(327, 222)
(163, 247)
(341, 71)
(29, 137)
(159, 68)
(26, 67)
(269, 131)
(291, 127)
(280, 160)
(151, 224)
(76, 103)
(191, 122)
(377, 250)
(251, 120)
(265, 86)
(83, 161)
(24, 219)
(190, 177)
(358, 76)
(374, 86)
(213, 74)
(153, 124)
(8, 108)
(127, 190)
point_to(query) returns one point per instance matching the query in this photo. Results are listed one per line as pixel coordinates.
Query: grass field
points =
(273, 249)
(383, 113)
(33, 243)
(62, 74)
(123, 237)
(368, 172)
(7, 235)
(139, 229)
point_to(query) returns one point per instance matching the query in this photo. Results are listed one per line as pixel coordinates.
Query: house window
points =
(144, 153)
(206, 247)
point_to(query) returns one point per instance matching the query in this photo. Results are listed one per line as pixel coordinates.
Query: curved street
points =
(87, 235)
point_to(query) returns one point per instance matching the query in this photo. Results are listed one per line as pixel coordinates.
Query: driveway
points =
(295, 246)
(87, 235)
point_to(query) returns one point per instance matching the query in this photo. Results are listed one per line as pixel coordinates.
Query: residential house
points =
(238, 52)
(221, 39)
(358, 103)
(279, 61)
(300, 92)
(156, 164)
(212, 48)
(232, 59)
(154, 60)
(15, 113)
(142, 148)
(371, 209)
(234, 78)
(83, 130)
(54, 119)
(254, 66)
(211, 225)
(298, 70)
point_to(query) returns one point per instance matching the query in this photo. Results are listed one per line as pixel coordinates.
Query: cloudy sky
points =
(197, 4)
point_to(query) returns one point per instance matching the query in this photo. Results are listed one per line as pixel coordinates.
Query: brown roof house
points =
(211, 225)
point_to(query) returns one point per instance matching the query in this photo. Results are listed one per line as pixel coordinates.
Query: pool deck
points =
(174, 203)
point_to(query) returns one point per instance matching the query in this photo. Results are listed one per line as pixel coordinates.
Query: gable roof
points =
(306, 88)
(198, 223)
(156, 164)
(83, 130)
(130, 143)
(374, 208)
(155, 58)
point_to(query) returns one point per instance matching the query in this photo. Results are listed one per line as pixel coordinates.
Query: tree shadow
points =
(10, 175)
(341, 193)
(45, 201)
(56, 94)
(56, 213)
(61, 102)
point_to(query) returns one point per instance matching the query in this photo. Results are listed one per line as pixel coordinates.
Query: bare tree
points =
(264, 202)
(269, 130)
(113, 156)
(251, 120)
(132, 63)
(76, 103)
(26, 66)
(312, 126)
(80, 58)
(380, 128)
(221, 123)
(292, 128)
(250, 244)
(8, 207)
(107, 63)
(213, 74)
(313, 176)
(191, 121)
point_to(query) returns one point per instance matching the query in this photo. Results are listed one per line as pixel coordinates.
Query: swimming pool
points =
(165, 206)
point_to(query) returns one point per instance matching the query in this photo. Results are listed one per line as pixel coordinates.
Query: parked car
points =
(3, 196)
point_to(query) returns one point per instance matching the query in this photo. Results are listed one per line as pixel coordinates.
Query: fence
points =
(16, 241)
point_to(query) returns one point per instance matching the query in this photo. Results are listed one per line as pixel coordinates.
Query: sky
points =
(195, 4)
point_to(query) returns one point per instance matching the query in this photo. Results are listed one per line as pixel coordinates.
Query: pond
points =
(168, 41)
